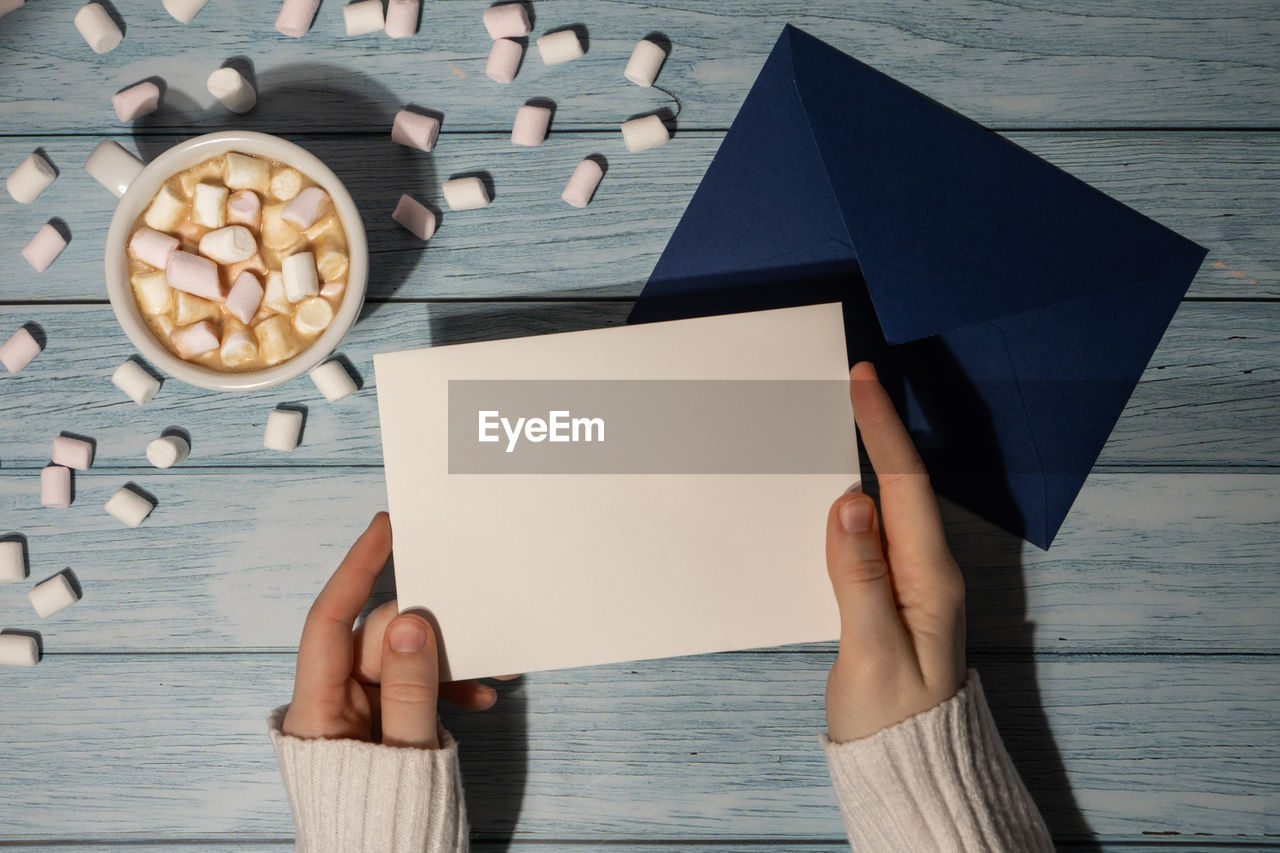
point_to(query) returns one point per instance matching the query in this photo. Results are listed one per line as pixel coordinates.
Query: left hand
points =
(380, 682)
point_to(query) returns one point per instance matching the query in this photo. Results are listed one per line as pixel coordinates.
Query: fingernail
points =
(407, 635)
(856, 487)
(855, 516)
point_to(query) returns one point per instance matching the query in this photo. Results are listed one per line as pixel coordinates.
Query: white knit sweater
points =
(938, 781)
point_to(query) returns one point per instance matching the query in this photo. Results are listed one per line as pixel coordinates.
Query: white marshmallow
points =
(136, 101)
(209, 207)
(313, 316)
(645, 62)
(196, 339)
(332, 379)
(166, 211)
(193, 309)
(55, 487)
(286, 183)
(417, 219)
(333, 290)
(273, 296)
(582, 184)
(245, 172)
(18, 351)
(239, 346)
(331, 263)
(195, 275)
(466, 193)
(7, 6)
(530, 127)
(509, 20)
(245, 297)
(641, 134)
(560, 46)
(229, 245)
(295, 17)
(98, 29)
(415, 130)
(113, 167)
(167, 450)
(53, 595)
(18, 649)
(300, 276)
(245, 208)
(229, 86)
(504, 60)
(13, 561)
(307, 208)
(152, 247)
(134, 380)
(277, 234)
(128, 507)
(363, 17)
(71, 452)
(276, 340)
(184, 10)
(32, 177)
(153, 295)
(402, 18)
(44, 248)
(283, 428)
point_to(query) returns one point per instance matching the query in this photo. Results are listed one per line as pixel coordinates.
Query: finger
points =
(469, 695)
(367, 666)
(869, 622)
(410, 683)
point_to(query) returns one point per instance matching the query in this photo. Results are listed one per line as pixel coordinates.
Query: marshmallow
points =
(273, 298)
(153, 295)
(197, 339)
(245, 172)
(402, 18)
(307, 208)
(286, 183)
(276, 340)
(55, 487)
(509, 20)
(135, 381)
(277, 234)
(136, 101)
(504, 60)
(582, 184)
(184, 10)
(18, 649)
(229, 86)
(283, 428)
(17, 352)
(333, 381)
(128, 507)
(415, 130)
(210, 205)
(295, 17)
(53, 595)
(167, 450)
(333, 290)
(98, 29)
(363, 17)
(44, 248)
(166, 211)
(417, 219)
(644, 133)
(7, 6)
(13, 561)
(465, 193)
(152, 247)
(192, 309)
(300, 278)
(71, 452)
(313, 316)
(245, 208)
(331, 263)
(113, 167)
(195, 275)
(245, 297)
(560, 46)
(238, 345)
(31, 178)
(229, 245)
(530, 126)
(645, 62)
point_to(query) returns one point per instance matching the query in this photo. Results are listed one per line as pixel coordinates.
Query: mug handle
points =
(113, 166)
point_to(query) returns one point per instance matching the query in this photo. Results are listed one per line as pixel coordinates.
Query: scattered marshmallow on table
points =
(184, 10)
(152, 247)
(55, 487)
(560, 46)
(415, 130)
(307, 208)
(229, 86)
(244, 297)
(295, 17)
(300, 277)
(402, 18)
(641, 134)
(466, 193)
(196, 339)
(18, 351)
(32, 177)
(72, 452)
(128, 507)
(229, 245)
(136, 101)
(504, 60)
(332, 379)
(363, 17)
(44, 248)
(18, 649)
(195, 275)
(7, 6)
(582, 184)
(167, 450)
(645, 63)
(530, 127)
(283, 428)
(13, 562)
(508, 20)
(135, 381)
(113, 167)
(417, 218)
(98, 29)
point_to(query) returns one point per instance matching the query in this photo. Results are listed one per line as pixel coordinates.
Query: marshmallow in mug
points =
(44, 248)
(32, 177)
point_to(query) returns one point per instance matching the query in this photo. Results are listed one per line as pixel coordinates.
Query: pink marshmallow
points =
(295, 17)
(530, 126)
(197, 339)
(415, 130)
(402, 18)
(582, 184)
(44, 248)
(510, 20)
(244, 208)
(152, 247)
(136, 101)
(245, 297)
(7, 6)
(194, 274)
(415, 217)
(55, 487)
(17, 352)
(504, 59)
(307, 208)
(72, 452)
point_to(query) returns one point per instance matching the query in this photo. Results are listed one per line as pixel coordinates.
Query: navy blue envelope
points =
(1009, 307)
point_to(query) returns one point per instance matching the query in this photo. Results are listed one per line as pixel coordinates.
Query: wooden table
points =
(1132, 668)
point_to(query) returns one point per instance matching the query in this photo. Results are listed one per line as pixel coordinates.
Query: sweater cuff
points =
(351, 795)
(940, 780)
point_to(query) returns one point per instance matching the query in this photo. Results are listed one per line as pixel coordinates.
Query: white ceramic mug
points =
(141, 188)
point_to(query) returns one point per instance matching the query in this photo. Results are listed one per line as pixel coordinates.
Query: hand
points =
(899, 590)
(379, 683)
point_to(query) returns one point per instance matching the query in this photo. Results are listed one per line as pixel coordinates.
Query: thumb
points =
(861, 578)
(410, 683)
